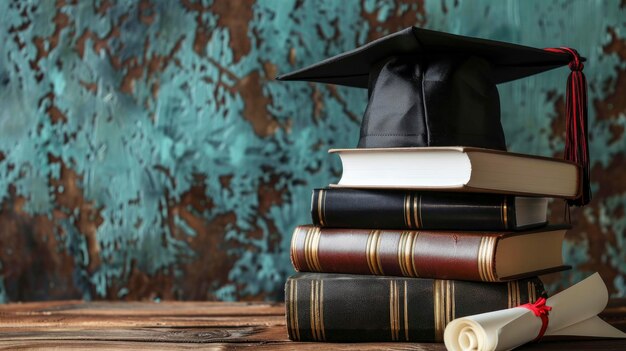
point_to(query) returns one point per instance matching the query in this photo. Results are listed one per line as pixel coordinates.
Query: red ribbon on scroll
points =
(541, 310)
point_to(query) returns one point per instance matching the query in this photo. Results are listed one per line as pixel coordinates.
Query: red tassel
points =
(576, 139)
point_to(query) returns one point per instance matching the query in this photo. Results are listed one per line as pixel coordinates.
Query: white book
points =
(458, 169)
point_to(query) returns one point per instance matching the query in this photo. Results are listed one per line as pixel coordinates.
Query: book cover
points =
(429, 254)
(341, 308)
(364, 208)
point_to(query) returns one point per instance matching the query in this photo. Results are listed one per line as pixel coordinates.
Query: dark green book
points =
(354, 308)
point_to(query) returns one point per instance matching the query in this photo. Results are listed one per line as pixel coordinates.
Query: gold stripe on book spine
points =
(481, 258)
(417, 211)
(324, 207)
(312, 309)
(320, 215)
(293, 309)
(315, 251)
(407, 210)
(489, 262)
(444, 306)
(289, 300)
(486, 252)
(394, 310)
(406, 247)
(508, 295)
(514, 294)
(533, 292)
(307, 249)
(377, 251)
(412, 254)
(438, 306)
(391, 308)
(396, 314)
(321, 310)
(372, 255)
(504, 212)
(311, 249)
(294, 250)
(368, 251)
(406, 314)
(451, 302)
(317, 314)
(401, 246)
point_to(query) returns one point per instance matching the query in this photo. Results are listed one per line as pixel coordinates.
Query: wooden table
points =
(196, 325)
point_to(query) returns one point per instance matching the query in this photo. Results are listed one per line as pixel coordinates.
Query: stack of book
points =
(412, 238)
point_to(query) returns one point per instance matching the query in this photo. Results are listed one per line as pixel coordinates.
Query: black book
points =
(353, 308)
(388, 209)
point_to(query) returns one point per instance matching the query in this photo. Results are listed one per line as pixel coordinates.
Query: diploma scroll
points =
(574, 313)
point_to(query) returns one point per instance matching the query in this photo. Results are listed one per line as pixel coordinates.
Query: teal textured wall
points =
(147, 153)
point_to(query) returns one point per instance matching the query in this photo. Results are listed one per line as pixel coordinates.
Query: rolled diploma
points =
(574, 312)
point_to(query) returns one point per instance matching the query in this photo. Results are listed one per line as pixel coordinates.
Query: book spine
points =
(424, 254)
(342, 308)
(351, 208)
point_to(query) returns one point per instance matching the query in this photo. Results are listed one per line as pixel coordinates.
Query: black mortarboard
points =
(429, 88)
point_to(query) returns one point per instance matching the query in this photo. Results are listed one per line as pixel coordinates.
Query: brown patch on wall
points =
(270, 70)
(597, 240)
(415, 15)
(105, 5)
(332, 89)
(614, 103)
(90, 87)
(255, 104)
(270, 195)
(611, 181)
(142, 286)
(558, 122)
(235, 15)
(202, 34)
(146, 16)
(617, 131)
(616, 45)
(33, 254)
(33, 267)
(291, 56)
(98, 43)
(56, 115)
(61, 21)
(211, 264)
(134, 72)
(318, 102)
(72, 198)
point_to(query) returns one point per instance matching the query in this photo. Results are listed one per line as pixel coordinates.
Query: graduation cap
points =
(429, 88)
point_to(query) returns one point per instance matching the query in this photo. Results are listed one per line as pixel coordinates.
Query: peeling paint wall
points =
(147, 153)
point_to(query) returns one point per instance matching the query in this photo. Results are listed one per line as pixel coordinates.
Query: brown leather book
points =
(342, 307)
(462, 255)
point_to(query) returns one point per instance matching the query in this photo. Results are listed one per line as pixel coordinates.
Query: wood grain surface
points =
(73, 325)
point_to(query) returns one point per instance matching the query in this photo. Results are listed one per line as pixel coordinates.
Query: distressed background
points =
(147, 153)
